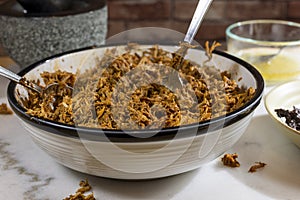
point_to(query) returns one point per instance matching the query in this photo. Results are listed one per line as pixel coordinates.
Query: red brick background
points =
(176, 14)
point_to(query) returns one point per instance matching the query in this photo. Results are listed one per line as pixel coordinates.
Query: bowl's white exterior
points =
(73, 153)
(145, 160)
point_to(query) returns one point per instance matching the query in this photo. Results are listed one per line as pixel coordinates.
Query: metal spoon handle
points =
(16, 78)
(200, 11)
(10, 75)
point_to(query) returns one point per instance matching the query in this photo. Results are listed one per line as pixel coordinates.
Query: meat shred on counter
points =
(256, 166)
(230, 160)
(4, 110)
(80, 193)
(131, 91)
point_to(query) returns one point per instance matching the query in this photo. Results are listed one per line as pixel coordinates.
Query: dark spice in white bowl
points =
(292, 117)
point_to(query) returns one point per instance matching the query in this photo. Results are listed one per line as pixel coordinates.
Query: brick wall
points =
(176, 14)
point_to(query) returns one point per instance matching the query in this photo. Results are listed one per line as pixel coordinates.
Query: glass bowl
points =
(272, 46)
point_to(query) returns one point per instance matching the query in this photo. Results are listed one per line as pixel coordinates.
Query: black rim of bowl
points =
(97, 134)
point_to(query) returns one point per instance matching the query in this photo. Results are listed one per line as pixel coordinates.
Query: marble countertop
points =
(26, 172)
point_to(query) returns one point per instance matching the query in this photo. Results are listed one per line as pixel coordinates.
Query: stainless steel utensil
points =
(197, 19)
(30, 85)
(266, 58)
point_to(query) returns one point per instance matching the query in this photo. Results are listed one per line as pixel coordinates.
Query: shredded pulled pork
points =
(256, 166)
(80, 193)
(4, 110)
(230, 160)
(57, 104)
(209, 49)
(136, 91)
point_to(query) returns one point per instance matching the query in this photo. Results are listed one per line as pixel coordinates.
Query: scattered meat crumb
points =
(80, 193)
(258, 165)
(230, 160)
(209, 49)
(4, 110)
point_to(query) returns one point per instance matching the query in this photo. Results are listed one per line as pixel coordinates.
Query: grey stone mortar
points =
(30, 39)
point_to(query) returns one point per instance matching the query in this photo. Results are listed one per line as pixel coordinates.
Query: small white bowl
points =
(284, 96)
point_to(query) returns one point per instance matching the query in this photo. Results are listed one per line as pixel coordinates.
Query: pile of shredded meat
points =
(139, 89)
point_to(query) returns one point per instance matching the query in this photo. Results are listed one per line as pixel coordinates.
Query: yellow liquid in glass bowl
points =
(282, 67)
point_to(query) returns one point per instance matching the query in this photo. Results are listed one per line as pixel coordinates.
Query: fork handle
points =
(10, 75)
(200, 11)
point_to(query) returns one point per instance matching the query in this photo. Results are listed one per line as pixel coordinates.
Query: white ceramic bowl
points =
(143, 154)
(284, 96)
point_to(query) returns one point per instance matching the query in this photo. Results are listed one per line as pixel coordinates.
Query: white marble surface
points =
(26, 172)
